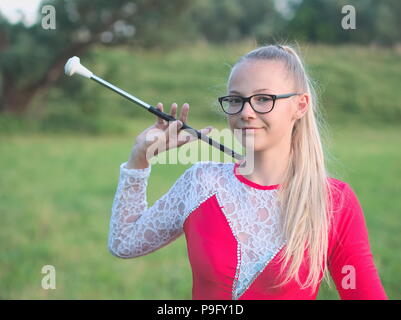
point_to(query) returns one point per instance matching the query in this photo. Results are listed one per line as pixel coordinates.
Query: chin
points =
(258, 149)
(254, 144)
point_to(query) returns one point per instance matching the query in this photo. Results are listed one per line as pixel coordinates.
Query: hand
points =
(162, 136)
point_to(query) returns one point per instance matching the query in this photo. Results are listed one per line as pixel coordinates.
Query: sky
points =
(12, 10)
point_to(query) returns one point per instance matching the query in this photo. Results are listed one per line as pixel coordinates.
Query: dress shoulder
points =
(336, 184)
(207, 170)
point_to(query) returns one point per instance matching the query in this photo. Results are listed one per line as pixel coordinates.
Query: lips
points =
(250, 129)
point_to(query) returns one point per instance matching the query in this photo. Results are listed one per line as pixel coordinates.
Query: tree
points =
(32, 58)
(320, 21)
(234, 20)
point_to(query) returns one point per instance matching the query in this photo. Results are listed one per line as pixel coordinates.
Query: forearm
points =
(128, 206)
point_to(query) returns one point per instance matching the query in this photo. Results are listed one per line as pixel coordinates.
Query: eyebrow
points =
(256, 91)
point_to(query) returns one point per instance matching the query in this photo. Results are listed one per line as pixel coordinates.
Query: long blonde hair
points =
(304, 195)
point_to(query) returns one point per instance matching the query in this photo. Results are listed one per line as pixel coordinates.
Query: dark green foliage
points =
(32, 58)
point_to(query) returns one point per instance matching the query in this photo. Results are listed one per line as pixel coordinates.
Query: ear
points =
(302, 105)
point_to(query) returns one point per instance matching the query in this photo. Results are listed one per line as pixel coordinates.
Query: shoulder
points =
(336, 184)
(346, 206)
(210, 168)
(207, 172)
(341, 192)
(204, 177)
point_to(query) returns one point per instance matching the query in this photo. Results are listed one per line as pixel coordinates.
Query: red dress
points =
(231, 256)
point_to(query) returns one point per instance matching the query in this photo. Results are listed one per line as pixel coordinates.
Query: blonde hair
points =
(304, 195)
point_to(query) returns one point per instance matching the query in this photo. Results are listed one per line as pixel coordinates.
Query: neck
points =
(269, 166)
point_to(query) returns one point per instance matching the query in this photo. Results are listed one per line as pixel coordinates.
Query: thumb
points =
(205, 131)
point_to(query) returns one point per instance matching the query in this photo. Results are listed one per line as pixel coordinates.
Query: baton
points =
(74, 66)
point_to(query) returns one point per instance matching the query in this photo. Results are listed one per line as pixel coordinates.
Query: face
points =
(273, 128)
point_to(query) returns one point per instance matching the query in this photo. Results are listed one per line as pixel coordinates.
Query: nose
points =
(247, 111)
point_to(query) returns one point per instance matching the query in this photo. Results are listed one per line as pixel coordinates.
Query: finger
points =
(160, 121)
(184, 112)
(173, 110)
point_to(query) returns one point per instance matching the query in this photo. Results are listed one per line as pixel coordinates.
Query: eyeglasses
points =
(260, 103)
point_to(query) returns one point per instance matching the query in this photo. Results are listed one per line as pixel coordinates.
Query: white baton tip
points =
(74, 66)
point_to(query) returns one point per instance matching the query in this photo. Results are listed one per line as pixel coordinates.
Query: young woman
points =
(273, 233)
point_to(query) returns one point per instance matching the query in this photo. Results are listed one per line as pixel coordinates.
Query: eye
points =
(233, 100)
(263, 98)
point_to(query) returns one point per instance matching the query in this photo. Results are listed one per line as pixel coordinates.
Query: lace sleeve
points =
(135, 229)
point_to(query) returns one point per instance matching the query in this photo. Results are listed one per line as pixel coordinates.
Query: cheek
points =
(277, 127)
(278, 121)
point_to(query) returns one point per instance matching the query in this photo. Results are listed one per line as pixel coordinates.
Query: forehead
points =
(257, 74)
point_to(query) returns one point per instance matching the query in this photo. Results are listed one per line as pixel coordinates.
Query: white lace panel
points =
(253, 216)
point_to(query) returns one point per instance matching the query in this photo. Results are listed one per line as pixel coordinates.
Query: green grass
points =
(56, 193)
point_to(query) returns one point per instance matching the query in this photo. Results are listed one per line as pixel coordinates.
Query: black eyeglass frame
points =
(248, 99)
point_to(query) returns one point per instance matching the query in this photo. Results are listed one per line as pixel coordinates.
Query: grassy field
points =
(56, 193)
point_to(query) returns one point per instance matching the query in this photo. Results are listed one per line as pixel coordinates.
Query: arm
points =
(135, 229)
(351, 261)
